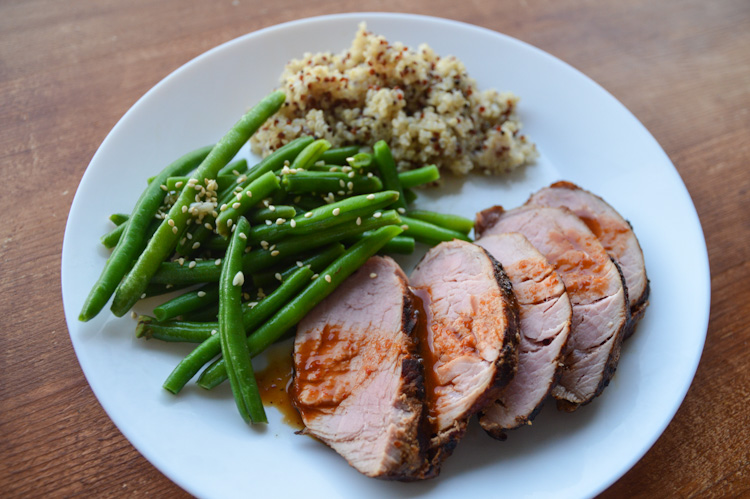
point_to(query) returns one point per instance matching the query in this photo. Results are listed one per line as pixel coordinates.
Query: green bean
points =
(428, 233)
(339, 155)
(388, 173)
(279, 211)
(360, 161)
(134, 238)
(321, 182)
(177, 183)
(310, 154)
(402, 245)
(279, 253)
(410, 196)
(273, 161)
(313, 294)
(309, 202)
(316, 262)
(239, 166)
(244, 200)
(231, 332)
(119, 218)
(276, 159)
(324, 217)
(208, 314)
(168, 234)
(252, 317)
(420, 176)
(110, 239)
(184, 332)
(188, 302)
(161, 289)
(450, 222)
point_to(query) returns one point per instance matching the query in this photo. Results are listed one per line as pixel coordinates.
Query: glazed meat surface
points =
(595, 288)
(545, 318)
(468, 340)
(612, 230)
(358, 383)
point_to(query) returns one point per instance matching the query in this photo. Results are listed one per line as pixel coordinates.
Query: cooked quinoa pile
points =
(426, 107)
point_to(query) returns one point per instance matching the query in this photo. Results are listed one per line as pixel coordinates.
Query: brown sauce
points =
(274, 385)
(424, 334)
(609, 231)
(582, 268)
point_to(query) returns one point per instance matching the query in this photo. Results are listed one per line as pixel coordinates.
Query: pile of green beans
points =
(256, 247)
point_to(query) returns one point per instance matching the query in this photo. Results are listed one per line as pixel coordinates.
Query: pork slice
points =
(595, 288)
(612, 230)
(358, 383)
(468, 339)
(545, 318)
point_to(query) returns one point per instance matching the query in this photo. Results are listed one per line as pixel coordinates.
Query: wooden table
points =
(70, 69)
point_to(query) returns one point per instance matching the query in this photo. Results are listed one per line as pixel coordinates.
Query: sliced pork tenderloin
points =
(595, 287)
(612, 230)
(545, 318)
(358, 382)
(468, 338)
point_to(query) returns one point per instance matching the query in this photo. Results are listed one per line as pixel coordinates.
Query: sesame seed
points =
(183, 240)
(236, 173)
(314, 276)
(229, 222)
(214, 214)
(350, 186)
(191, 264)
(341, 193)
(189, 235)
(369, 174)
(377, 214)
(275, 253)
(143, 296)
(239, 279)
(201, 294)
(300, 264)
(401, 210)
(213, 332)
(163, 187)
(371, 197)
(196, 245)
(280, 221)
(233, 227)
(178, 184)
(252, 304)
(268, 222)
(308, 214)
(320, 163)
(350, 159)
(208, 226)
(328, 278)
(184, 208)
(264, 244)
(249, 194)
(236, 205)
(133, 314)
(293, 223)
(346, 169)
(243, 236)
(351, 174)
(223, 207)
(181, 261)
(248, 249)
(266, 202)
(273, 247)
(336, 212)
(169, 286)
(271, 207)
(405, 227)
(342, 183)
(174, 230)
(239, 196)
(373, 275)
(333, 169)
(170, 222)
(278, 276)
(217, 262)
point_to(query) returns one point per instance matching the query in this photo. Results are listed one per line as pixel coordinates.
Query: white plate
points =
(584, 135)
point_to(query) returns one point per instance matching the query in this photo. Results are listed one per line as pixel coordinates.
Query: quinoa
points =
(426, 108)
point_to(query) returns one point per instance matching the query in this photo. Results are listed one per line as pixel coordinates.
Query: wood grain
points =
(70, 69)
